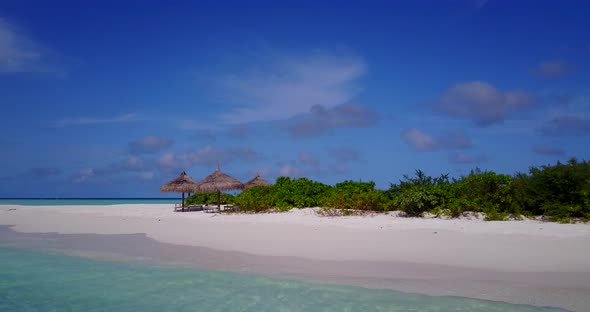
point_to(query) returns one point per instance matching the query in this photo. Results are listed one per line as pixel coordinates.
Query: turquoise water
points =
(37, 281)
(85, 201)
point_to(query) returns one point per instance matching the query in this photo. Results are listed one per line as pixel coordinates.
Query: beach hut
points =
(219, 182)
(255, 182)
(181, 184)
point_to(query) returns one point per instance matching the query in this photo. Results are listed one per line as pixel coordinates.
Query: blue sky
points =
(103, 99)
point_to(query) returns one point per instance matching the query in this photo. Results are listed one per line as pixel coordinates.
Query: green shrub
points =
(302, 192)
(208, 199)
(414, 202)
(447, 201)
(256, 199)
(485, 191)
(557, 191)
(419, 194)
(336, 212)
(357, 196)
(560, 192)
(494, 215)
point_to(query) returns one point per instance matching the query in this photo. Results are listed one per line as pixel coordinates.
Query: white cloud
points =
(83, 175)
(82, 121)
(553, 69)
(17, 52)
(132, 163)
(346, 154)
(147, 175)
(289, 170)
(308, 159)
(423, 141)
(209, 156)
(574, 125)
(149, 144)
(418, 139)
(168, 160)
(264, 171)
(461, 158)
(321, 120)
(480, 3)
(481, 102)
(340, 169)
(292, 86)
(21, 54)
(547, 150)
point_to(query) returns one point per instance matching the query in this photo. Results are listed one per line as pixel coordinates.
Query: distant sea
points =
(84, 201)
(49, 281)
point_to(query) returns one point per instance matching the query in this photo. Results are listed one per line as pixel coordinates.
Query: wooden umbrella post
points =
(219, 200)
(182, 201)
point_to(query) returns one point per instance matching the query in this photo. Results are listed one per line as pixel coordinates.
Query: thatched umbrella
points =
(218, 182)
(255, 182)
(182, 184)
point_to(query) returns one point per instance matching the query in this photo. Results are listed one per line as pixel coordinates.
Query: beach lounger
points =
(211, 209)
(231, 208)
(194, 208)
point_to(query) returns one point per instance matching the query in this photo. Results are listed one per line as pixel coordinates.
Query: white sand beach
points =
(532, 262)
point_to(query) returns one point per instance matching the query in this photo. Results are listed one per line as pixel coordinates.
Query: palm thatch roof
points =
(218, 182)
(181, 184)
(255, 182)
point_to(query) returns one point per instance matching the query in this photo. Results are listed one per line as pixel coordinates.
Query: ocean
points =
(85, 201)
(38, 280)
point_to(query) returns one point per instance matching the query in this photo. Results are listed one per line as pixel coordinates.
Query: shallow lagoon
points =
(43, 281)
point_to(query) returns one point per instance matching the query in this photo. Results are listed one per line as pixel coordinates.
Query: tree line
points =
(559, 192)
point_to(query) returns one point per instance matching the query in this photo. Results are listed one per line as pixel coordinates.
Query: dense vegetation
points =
(559, 192)
(208, 198)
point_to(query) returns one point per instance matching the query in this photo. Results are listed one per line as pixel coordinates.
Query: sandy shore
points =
(516, 261)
